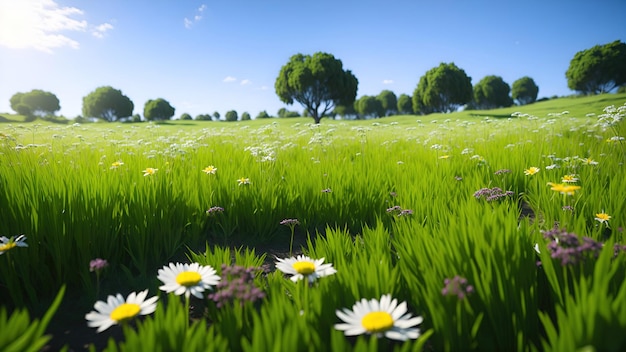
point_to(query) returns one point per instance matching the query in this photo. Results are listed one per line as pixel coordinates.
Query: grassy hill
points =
(575, 105)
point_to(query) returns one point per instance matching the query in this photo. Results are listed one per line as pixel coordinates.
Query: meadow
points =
(502, 230)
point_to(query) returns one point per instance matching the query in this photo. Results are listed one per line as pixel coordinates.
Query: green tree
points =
(405, 105)
(245, 116)
(525, 90)
(368, 106)
(599, 69)
(231, 115)
(35, 103)
(492, 92)
(216, 115)
(282, 112)
(24, 110)
(108, 104)
(262, 115)
(346, 112)
(442, 89)
(16, 100)
(418, 106)
(186, 116)
(158, 109)
(318, 82)
(389, 102)
(204, 117)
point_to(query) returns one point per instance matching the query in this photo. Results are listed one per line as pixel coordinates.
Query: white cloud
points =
(229, 79)
(99, 31)
(188, 22)
(245, 82)
(36, 23)
(265, 88)
(388, 81)
(197, 17)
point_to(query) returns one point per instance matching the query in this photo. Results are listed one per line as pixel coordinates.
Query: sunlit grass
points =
(401, 206)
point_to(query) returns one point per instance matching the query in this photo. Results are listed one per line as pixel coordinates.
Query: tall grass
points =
(394, 204)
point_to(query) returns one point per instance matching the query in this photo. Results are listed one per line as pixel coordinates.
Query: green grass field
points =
(501, 232)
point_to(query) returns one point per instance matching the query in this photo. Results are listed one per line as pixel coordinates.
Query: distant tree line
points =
(445, 88)
(324, 88)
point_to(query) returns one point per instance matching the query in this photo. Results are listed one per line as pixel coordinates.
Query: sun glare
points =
(37, 23)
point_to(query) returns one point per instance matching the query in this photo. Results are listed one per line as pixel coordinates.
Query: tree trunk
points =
(316, 118)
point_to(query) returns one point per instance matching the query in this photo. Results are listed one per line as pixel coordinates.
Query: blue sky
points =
(206, 56)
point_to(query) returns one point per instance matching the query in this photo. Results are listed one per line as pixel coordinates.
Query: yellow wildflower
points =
(531, 171)
(210, 170)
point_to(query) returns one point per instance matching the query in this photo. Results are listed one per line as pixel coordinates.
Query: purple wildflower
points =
(457, 286)
(458, 178)
(618, 248)
(290, 222)
(214, 210)
(568, 208)
(405, 212)
(394, 209)
(397, 210)
(569, 248)
(98, 264)
(492, 194)
(237, 284)
(502, 171)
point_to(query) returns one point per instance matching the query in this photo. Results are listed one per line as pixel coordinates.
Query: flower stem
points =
(187, 299)
(291, 242)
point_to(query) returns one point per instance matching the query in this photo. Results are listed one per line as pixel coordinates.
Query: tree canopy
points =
(283, 112)
(492, 92)
(35, 103)
(369, 106)
(262, 115)
(108, 104)
(204, 117)
(231, 116)
(525, 90)
(442, 89)
(346, 111)
(405, 105)
(318, 82)
(389, 102)
(158, 109)
(599, 69)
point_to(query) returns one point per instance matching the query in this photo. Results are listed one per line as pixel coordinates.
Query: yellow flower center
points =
(375, 322)
(188, 278)
(603, 216)
(6, 247)
(125, 312)
(304, 268)
(569, 179)
(531, 171)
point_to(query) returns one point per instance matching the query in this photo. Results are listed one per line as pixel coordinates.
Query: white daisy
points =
(303, 266)
(118, 311)
(6, 244)
(187, 278)
(385, 317)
